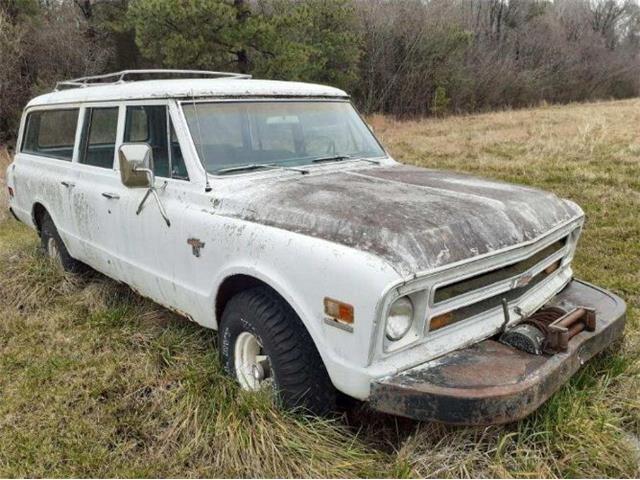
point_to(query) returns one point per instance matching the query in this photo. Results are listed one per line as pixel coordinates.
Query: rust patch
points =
(489, 382)
(568, 326)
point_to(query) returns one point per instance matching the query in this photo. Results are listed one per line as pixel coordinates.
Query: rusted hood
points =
(416, 219)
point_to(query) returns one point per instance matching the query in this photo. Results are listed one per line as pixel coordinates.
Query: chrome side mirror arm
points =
(152, 191)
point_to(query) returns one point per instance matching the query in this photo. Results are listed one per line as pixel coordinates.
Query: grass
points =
(95, 381)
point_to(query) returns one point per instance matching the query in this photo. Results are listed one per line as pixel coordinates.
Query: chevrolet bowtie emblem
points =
(196, 245)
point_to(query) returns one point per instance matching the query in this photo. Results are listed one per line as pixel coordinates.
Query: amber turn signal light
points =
(441, 321)
(338, 310)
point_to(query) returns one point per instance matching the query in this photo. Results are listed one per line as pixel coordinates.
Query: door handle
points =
(68, 184)
(111, 196)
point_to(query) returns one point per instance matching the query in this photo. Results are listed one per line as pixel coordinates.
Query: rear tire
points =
(54, 247)
(263, 333)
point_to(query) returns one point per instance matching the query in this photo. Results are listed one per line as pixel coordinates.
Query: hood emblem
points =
(196, 245)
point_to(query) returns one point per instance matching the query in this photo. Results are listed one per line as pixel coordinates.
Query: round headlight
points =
(399, 319)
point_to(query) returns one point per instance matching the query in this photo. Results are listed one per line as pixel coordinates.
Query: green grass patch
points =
(96, 381)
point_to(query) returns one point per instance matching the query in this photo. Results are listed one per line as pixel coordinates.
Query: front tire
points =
(54, 248)
(263, 344)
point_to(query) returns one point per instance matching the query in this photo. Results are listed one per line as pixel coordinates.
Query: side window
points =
(99, 137)
(137, 125)
(151, 124)
(51, 133)
(148, 124)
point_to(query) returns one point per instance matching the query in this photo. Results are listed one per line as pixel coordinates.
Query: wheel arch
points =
(38, 211)
(235, 283)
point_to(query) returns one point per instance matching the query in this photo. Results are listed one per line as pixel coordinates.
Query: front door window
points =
(151, 124)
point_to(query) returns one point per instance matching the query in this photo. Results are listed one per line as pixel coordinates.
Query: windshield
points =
(284, 133)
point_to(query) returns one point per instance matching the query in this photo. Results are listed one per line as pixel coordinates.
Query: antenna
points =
(207, 185)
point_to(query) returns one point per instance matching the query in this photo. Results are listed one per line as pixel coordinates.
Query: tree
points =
(199, 34)
(113, 29)
(40, 45)
(314, 40)
(607, 16)
(14, 11)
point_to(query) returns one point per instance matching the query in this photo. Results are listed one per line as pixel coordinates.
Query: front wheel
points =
(263, 344)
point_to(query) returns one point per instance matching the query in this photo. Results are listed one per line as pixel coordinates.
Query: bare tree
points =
(466, 55)
(38, 51)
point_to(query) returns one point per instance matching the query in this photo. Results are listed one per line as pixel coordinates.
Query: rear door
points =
(98, 191)
(44, 170)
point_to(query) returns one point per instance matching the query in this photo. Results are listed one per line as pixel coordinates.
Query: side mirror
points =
(136, 165)
(136, 171)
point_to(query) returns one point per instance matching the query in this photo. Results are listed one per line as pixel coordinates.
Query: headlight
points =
(399, 319)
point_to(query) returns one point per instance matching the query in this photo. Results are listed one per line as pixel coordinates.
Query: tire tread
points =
(301, 375)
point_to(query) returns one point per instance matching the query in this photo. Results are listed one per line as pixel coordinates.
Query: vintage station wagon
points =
(269, 211)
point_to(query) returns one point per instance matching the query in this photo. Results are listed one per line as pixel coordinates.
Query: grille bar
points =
(485, 279)
(490, 303)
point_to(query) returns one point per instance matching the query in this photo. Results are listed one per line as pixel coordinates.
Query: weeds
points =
(96, 381)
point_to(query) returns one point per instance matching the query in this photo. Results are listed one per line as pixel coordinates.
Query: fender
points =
(332, 362)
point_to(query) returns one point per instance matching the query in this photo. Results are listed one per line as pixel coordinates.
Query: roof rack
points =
(121, 77)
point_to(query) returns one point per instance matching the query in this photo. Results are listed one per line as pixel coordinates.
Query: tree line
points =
(400, 57)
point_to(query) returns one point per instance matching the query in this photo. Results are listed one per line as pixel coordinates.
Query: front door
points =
(161, 261)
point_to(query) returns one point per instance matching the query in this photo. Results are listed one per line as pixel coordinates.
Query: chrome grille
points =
(486, 279)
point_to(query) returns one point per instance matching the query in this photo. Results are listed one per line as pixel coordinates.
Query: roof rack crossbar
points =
(121, 77)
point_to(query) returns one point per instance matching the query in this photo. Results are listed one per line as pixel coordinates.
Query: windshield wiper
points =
(370, 160)
(258, 166)
(333, 158)
(341, 158)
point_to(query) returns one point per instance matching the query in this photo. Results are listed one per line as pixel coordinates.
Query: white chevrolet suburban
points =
(269, 211)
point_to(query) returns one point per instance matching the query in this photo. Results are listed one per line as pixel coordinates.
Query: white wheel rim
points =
(251, 365)
(53, 252)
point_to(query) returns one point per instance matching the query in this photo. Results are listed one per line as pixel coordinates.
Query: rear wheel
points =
(54, 247)
(264, 345)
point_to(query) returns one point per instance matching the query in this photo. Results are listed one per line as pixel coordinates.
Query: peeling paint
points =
(415, 219)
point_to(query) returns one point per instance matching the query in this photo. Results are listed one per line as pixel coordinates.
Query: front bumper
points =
(490, 383)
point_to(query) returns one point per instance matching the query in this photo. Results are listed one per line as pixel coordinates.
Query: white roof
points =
(219, 87)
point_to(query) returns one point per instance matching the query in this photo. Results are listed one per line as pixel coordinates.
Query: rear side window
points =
(99, 137)
(51, 133)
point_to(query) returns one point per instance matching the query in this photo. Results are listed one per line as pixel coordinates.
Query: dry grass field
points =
(95, 381)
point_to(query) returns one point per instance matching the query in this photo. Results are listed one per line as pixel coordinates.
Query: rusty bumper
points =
(490, 383)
